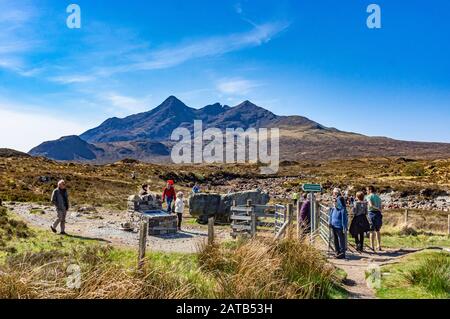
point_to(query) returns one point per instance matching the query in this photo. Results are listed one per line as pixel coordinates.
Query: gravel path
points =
(357, 264)
(105, 226)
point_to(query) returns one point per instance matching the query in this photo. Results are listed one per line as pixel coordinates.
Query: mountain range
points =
(146, 136)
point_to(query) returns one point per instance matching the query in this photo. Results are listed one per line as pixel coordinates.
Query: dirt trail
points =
(357, 264)
(105, 226)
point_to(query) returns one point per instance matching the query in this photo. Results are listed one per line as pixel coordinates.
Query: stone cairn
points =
(150, 208)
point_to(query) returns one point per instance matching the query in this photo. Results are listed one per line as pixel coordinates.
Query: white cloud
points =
(127, 103)
(23, 130)
(190, 50)
(71, 79)
(237, 86)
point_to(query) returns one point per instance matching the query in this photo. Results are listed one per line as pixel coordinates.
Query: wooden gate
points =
(246, 220)
(324, 229)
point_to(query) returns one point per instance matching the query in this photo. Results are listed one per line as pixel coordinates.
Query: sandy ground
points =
(106, 226)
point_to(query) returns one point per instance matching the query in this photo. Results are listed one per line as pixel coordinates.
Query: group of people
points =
(366, 211)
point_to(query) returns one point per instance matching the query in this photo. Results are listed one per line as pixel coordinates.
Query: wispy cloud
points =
(237, 86)
(70, 79)
(134, 57)
(16, 37)
(120, 105)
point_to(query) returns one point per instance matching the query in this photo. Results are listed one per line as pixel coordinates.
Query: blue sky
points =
(312, 58)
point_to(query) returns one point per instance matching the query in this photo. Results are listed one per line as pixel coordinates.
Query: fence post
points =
(253, 231)
(317, 214)
(210, 230)
(406, 216)
(253, 219)
(312, 215)
(299, 222)
(448, 231)
(143, 231)
(290, 213)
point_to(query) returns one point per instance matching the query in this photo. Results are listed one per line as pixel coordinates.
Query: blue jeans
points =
(169, 201)
(339, 241)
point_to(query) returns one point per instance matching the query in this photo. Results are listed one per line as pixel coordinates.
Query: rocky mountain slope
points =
(146, 136)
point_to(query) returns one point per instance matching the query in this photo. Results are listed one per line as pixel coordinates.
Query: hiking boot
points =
(63, 233)
(53, 229)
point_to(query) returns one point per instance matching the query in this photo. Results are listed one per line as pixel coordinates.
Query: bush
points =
(414, 169)
(11, 228)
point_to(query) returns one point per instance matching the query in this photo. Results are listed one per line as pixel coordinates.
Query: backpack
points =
(360, 208)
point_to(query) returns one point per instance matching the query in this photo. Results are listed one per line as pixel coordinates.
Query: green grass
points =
(423, 275)
(396, 240)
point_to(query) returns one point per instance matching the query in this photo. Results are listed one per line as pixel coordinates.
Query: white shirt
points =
(179, 206)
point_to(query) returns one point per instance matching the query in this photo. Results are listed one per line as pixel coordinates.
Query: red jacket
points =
(169, 193)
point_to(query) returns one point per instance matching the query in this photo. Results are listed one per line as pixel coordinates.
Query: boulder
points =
(204, 204)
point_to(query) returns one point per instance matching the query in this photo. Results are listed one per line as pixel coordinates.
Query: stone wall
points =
(149, 207)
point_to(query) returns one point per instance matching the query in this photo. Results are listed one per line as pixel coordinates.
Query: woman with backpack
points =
(359, 225)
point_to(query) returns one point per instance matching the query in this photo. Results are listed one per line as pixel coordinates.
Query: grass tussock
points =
(422, 275)
(433, 274)
(248, 269)
(47, 274)
(267, 269)
(11, 228)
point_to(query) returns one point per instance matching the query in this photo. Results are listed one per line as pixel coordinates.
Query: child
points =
(179, 208)
(169, 195)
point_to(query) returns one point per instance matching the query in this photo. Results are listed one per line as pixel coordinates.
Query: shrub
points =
(414, 169)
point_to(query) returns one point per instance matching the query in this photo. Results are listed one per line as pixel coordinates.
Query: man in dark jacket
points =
(338, 222)
(60, 199)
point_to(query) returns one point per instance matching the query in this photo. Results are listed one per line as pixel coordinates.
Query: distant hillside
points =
(68, 148)
(6, 152)
(146, 136)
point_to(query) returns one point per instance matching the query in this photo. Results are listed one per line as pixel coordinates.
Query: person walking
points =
(375, 216)
(359, 225)
(60, 200)
(169, 195)
(179, 208)
(338, 222)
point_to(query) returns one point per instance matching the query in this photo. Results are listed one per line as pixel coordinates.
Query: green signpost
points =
(312, 188)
